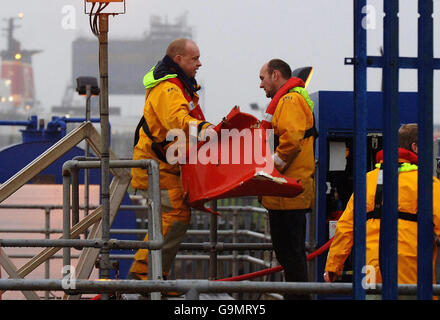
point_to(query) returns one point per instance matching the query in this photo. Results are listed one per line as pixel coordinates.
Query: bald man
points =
(171, 102)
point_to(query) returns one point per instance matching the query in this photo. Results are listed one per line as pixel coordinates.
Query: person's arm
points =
(436, 206)
(341, 245)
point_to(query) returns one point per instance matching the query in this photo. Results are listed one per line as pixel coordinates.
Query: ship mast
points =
(13, 50)
(16, 69)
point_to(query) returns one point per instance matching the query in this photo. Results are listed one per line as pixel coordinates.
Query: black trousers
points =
(288, 232)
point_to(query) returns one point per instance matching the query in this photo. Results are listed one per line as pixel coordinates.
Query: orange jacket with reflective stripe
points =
(290, 121)
(165, 108)
(407, 230)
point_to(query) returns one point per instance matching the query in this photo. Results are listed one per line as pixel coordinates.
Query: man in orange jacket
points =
(407, 223)
(171, 102)
(290, 114)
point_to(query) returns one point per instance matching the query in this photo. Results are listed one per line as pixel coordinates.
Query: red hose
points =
(264, 272)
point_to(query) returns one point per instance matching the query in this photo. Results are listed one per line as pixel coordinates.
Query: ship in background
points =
(129, 61)
(17, 88)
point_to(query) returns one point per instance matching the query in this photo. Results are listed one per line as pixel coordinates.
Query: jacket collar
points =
(167, 66)
(404, 156)
(290, 84)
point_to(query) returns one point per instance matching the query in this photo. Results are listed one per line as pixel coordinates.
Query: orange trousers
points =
(176, 216)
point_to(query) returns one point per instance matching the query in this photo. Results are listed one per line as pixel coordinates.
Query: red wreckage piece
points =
(236, 162)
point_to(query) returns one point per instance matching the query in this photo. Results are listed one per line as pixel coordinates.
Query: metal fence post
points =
(155, 223)
(390, 165)
(75, 196)
(235, 252)
(425, 147)
(105, 142)
(87, 154)
(66, 218)
(47, 236)
(360, 108)
(213, 242)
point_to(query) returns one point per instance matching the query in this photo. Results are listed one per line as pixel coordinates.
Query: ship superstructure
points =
(17, 89)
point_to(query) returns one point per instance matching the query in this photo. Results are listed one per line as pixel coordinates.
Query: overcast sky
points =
(235, 38)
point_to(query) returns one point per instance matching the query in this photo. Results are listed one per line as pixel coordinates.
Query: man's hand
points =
(280, 165)
(330, 276)
(203, 133)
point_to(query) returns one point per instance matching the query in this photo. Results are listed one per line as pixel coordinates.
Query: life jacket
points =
(159, 147)
(195, 111)
(406, 155)
(376, 213)
(294, 84)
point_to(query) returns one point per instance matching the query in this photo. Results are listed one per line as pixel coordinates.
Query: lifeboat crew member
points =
(407, 217)
(290, 115)
(171, 102)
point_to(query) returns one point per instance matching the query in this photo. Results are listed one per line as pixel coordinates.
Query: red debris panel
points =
(238, 164)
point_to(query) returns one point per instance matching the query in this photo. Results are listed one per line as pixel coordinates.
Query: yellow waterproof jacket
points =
(407, 230)
(165, 108)
(292, 117)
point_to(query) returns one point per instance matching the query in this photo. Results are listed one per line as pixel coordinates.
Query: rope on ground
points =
(264, 272)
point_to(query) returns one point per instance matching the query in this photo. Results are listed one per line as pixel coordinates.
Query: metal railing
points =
(192, 288)
(155, 241)
(214, 246)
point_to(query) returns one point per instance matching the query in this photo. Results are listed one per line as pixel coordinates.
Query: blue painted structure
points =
(35, 140)
(390, 63)
(335, 118)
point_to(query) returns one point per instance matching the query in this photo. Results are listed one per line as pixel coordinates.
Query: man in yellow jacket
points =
(171, 102)
(407, 223)
(290, 113)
